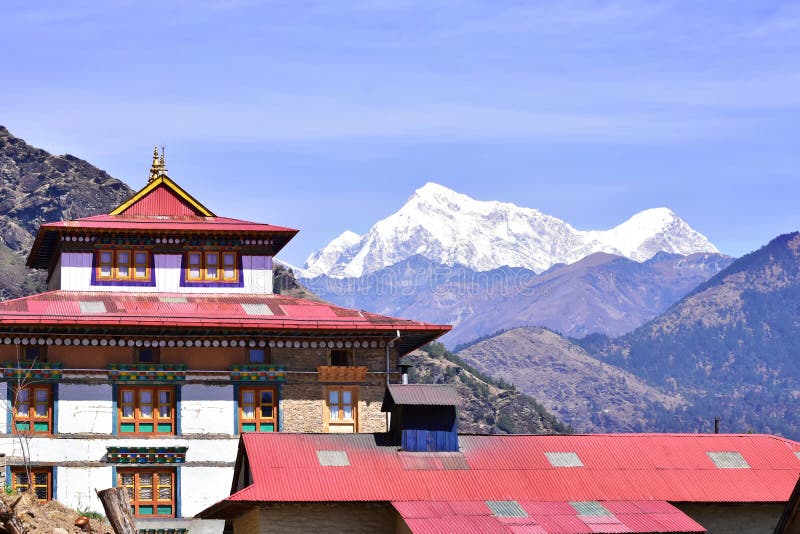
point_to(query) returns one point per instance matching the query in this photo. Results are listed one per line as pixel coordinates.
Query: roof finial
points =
(158, 168)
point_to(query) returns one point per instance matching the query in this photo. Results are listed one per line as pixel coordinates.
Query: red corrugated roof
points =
(162, 200)
(621, 467)
(59, 308)
(433, 517)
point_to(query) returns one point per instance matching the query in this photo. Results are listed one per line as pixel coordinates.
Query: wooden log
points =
(9, 521)
(118, 510)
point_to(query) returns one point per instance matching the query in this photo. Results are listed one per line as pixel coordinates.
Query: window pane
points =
(41, 493)
(211, 258)
(41, 395)
(347, 412)
(105, 257)
(333, 397)
(41, 409)
(123, 271)
(23, 408)
(266, 412)
(141, 258)
(145, 492)
(194, 272)
(266, 396)
(164, 493)
(347, 397)
(334, 412)
(228, 260)
(123, 258)
(23, 394)
(257, 355)
(105, 270)
(211, 273)
(146, 355)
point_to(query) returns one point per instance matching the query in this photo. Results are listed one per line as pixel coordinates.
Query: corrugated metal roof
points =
(237, 311)
(658, 467)
(427, 517)
(506, 509)
(420, 395)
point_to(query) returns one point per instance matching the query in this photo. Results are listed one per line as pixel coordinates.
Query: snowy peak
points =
(451, 228)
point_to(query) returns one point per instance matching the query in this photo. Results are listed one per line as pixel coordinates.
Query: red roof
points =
(169, 223)
(618, 467)
(159, 207)
(214, 310)
(433, 517)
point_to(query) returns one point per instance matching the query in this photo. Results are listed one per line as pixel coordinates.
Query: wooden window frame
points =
(16, 471)
(22, 353)
(258, 418)
(138, 350)
(137, 420)
(115, 265)
(349, 357)
(134, 491)
(203, 266)
(330, 424)
(31, 418)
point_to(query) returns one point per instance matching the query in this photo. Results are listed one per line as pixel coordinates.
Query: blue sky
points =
(325, 116)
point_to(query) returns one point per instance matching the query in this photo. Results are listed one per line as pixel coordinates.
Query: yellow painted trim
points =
(172, 186)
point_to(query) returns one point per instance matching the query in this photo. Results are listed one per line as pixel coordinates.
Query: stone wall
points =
(320, 518)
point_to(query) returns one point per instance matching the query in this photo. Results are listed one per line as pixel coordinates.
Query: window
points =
(29, 353)
(146, 410)
(257, 410)
(33, 409)
(211, 266)
(340, 357)
(257, 356)
(341, 409)
(42, 482)
(123, 265)
(151, 491)
(146, 355)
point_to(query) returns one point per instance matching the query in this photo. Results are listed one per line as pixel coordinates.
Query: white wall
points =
(85, 409)
(76, 275)
(203, 486)
(75, 486)
(207, 409)
(60, 450)
(5, 407)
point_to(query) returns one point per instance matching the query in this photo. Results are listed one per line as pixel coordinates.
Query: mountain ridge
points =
(451, 228)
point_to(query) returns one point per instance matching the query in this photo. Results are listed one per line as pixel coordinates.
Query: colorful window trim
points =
(143, 410)
(146, 455)
(211, 266)
(42, 481)
(147, 372)
(258, 409)
(33, 409)
(123, 267)
(257, 373)
(151, 491)
(27, 371)
(341, 409)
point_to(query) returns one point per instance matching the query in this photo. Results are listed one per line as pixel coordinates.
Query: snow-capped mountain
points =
(451, 228)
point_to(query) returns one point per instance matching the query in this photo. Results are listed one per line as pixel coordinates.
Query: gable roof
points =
(615, 467)
(162, 196)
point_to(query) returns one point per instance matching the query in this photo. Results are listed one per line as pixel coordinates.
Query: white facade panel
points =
(203, 486)
(76, 275)
(85, 409)
(6, 407)
(207, 409)
(75, 486)
(59, 450)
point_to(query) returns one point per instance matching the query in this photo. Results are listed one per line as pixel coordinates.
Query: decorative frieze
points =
(342, 373)
(147, 372)
(146, 455)
(31, 371)
(255, 372)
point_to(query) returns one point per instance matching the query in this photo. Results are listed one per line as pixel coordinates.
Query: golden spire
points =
(158, 168)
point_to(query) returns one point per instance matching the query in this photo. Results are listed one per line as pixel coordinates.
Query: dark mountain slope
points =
(731, 347)
(38, 187)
